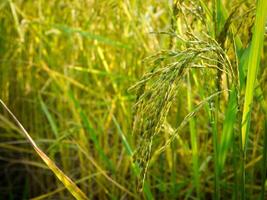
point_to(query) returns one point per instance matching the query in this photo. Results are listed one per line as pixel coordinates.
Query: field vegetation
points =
(131, 99)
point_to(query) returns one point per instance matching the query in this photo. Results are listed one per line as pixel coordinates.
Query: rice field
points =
(131, 99)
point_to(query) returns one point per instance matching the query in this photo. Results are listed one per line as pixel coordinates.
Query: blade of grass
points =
(103, 172)
(67, 182)
(253, 65)
(124, 140)
(264, 160)
(228, 127)
(214, 124)
(129, 151)
(193, 139)
(88, 127)
(56, 144)
(70, 30)
(45, 196)
(49, 117)
(15, 16)
(220, 16)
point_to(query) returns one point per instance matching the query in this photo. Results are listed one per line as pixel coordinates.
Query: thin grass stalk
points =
(253, 65)
(129, 151)
(67, 182)
(214, 121)
(264, 160)
(193, 139)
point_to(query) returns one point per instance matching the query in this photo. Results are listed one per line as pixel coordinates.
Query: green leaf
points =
(253, 65)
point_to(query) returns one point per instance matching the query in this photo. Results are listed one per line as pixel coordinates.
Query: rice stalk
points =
(158, 88)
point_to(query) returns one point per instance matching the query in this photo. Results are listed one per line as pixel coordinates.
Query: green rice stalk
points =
(228, 128)
(264, 160)
(193, 140)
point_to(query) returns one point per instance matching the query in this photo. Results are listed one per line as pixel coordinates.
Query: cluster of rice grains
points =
(157, 89)
(195, 42)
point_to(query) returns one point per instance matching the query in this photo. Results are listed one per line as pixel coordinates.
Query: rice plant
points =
(133, 99)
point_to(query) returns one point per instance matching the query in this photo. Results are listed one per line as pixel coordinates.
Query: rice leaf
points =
(67, 182)
(253, 65)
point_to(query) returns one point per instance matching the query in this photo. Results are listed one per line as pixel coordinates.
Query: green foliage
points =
(133, 99)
